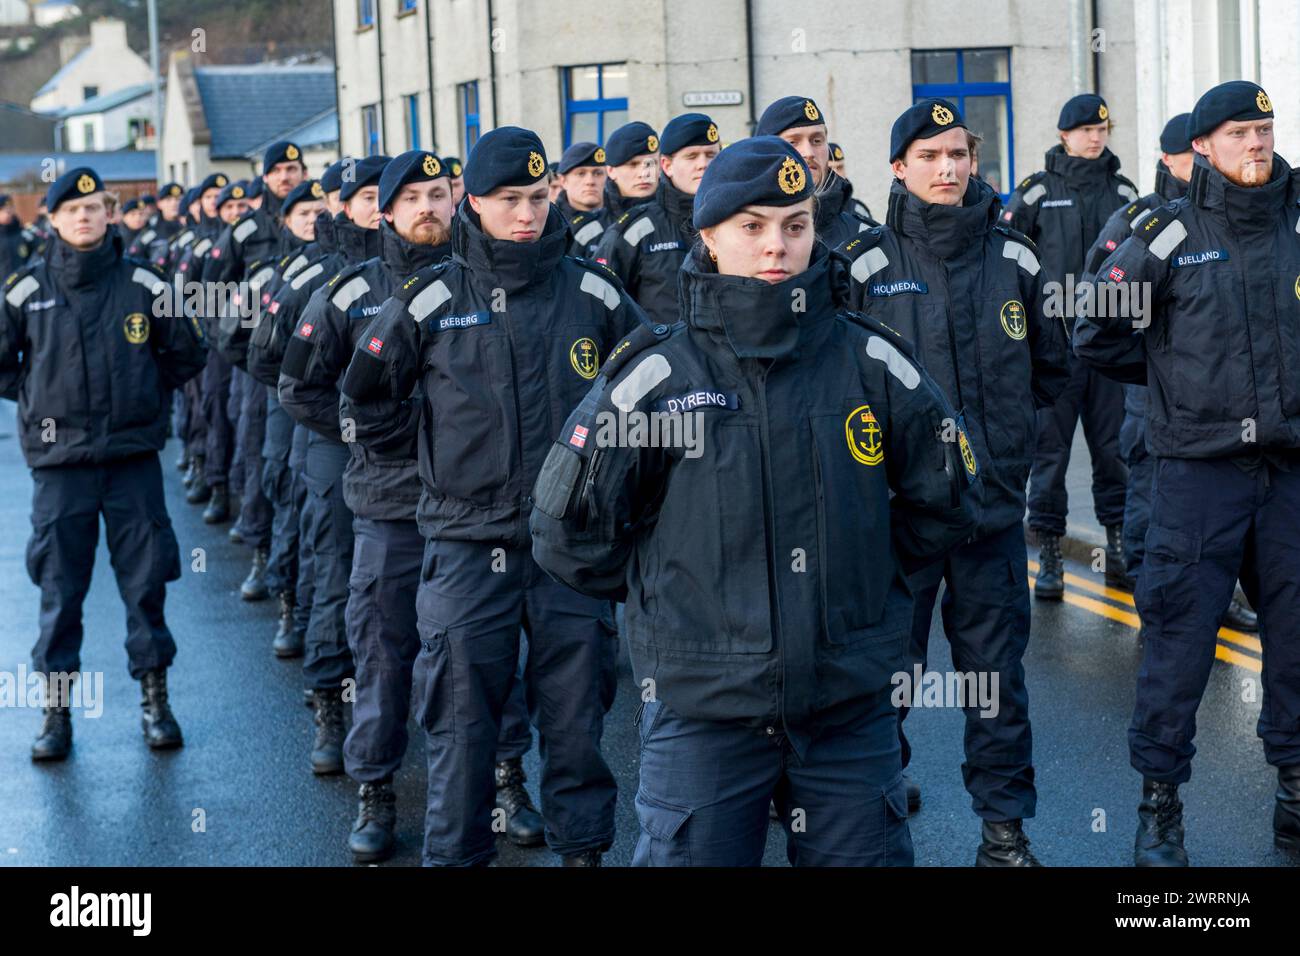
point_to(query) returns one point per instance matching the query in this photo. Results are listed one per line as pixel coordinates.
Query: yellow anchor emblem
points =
(585, 358)
(862, 432)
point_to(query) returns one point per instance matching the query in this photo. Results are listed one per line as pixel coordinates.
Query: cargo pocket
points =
(898, 836)
(433, 686)
(663, 840)
(362, 615)
(1168, 588)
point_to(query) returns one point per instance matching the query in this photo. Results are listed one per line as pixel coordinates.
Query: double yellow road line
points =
(1118, 606)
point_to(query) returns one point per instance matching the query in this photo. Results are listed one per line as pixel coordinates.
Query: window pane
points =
(583, 82)
(987, 115)
(613, 120)
(471, 97)
(985, 66)
(584, 126)
(615, 80)
(934, 66)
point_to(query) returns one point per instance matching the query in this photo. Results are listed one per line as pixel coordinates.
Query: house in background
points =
(106, 65)
(27, 176)
(15, 13)
(53, 11)
(121, 120)
(220, 118)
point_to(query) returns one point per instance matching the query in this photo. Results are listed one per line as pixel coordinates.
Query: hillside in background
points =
(235, 31)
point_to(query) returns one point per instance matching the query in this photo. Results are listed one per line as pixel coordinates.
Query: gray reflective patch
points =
(863, 227)
(1033, 194)
(294, 266)
(895, 361)
(593, 284)
(1168, 240)
(201, 247)
(652, 370)
(148, 280)
(1128, 192)
(869, 263)
(21, 290)
(245, 229)
(307, 276)
(1022, 255)
(260, 276)
(589, 232)
(429, 298)
(147, 237)
(638, 230)
(1146, 212)
(349, 292)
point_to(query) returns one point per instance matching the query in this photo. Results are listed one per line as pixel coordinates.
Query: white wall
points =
(108, 63)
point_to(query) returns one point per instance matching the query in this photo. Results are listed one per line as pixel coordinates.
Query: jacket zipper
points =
(769, 532)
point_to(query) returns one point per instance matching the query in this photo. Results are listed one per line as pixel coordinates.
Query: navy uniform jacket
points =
(234, 329)
(81, 346)
(1221, 355)
(503, 341)
(14, 248)
(1125, 219)
(586, 226)
(647, 250)
(254, 237)
(839, 215)
(966, 292)
(317, 355)
(338, 246)
(1064, 207)
(764, 571)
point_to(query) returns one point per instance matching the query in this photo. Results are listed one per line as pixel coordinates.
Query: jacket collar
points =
(677, 205)
(756, 319)
(326, 233)
(79, 270)
(1078, 171)
(501, 263)
(1245, 208)
(1168, 186)
(617, 203)
(356, 244)
(832, 196)
(403, 258)
(944, 231)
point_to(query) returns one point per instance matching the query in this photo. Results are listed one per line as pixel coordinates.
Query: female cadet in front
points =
(761, 548)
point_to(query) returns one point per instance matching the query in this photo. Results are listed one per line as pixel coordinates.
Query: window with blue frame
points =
(370, 129)
(406, 6)
(365, 13)
(467, 94)
(979, 82)
(595, 101)
(412, 120)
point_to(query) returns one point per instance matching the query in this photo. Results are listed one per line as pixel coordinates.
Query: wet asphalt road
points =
(240, 792)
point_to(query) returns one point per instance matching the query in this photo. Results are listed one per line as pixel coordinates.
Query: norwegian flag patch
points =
(306, 330)
(376, 345)
(275, 307)
(1007, 216)
(579, 438)
(1116, 274)
(1111, 245)
(216, 253)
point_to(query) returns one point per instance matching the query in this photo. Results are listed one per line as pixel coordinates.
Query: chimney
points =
(108, 33)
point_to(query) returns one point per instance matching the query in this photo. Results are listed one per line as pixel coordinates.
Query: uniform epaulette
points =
(21, 284)
(415, 284)
(1161, 231)
(348, 285)
(873, 324)
(147, 266)
(889, 348)
(638, 340)
(598, 267)
(1033, 179)
(1019, 247)
(1138, 206)
(867, 239)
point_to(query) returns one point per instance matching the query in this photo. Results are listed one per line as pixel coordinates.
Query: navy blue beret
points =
(236, 190)
(363, 172)
(1082, 110)
(630, 140)
(758, 171)
(413, 166)
(454, 166)
(788, 112)
(922, 120)
(332, 179)
(253, 187)
(1173, 138)
(505, 156)
(309, 190)
(131, 204)
(4, 199)
(689, 129)
(1234, 100)
(580, 154)
(81, 181)
(281, 152)
(190, 198)
(213, 181)
(171, 189)
(148, 199)
(837, 151)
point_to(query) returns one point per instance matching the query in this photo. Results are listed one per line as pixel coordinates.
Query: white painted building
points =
(106, 65)
(121, 120)
(48, 12)
(15, 13)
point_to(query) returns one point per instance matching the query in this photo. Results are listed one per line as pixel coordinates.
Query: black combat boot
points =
(254, 587)
(161, 732)
(371, 839)
(524, 825)
(199, 489)
(55, 739)
(183, 459)
(1005, 844)
(913, 794)
(1241, 618)
(1286, 815)
(585, 858)
(218, 509)
(235, 535)
(327, 748)
(1050, 585)
(288, 642)
(1160, 826)
(1116, 576)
